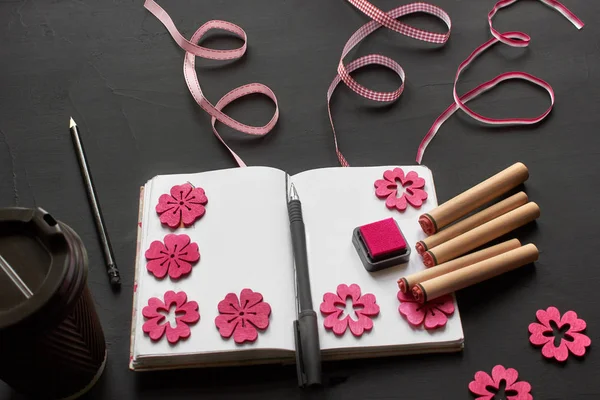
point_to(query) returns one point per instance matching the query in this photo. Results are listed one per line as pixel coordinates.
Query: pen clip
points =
(299, 358)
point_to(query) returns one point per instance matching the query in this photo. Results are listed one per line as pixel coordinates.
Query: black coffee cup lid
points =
(35, 267)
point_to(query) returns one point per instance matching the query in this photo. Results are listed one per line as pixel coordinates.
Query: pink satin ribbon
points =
(514, 39)
(193, 50)
(389, 21)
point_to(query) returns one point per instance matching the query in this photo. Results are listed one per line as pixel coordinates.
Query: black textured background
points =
(113, 67)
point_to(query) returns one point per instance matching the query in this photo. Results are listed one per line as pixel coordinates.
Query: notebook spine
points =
(135, 278)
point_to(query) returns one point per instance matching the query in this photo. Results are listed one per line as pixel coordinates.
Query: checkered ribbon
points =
(193, 50)
(514, 39)
(388, 20)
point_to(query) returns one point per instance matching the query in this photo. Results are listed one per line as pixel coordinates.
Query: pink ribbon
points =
(193, 50)
(514, 39)
(389, 21)
(379, 19)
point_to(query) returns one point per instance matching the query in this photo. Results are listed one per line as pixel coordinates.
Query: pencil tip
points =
(72, 123)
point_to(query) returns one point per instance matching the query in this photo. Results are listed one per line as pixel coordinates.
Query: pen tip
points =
(293, 195)
(72, 123)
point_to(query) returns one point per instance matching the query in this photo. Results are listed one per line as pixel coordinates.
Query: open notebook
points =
(244, 240)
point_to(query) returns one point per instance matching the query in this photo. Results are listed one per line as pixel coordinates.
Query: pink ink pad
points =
(381, 245)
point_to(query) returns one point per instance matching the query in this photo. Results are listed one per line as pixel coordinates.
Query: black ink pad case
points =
(381, 245)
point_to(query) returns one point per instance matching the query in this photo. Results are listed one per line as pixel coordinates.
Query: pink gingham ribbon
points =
(514, 39)
(389, 21)
(193, 50)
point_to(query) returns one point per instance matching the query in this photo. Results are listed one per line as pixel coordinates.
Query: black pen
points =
(111, 267)
(308, 350)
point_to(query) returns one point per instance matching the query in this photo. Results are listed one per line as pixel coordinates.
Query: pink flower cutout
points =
(241, 318)
(184, 205)
(410, 188)
(174, 256)
(543, 334)
(186, 312)
(434, 312)
(502, 380)
(364, 306)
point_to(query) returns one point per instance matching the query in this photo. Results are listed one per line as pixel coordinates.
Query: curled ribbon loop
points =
(388, 20)
(194, 50)
(514, 39)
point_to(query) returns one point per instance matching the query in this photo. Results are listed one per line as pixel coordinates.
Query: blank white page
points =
(244, 242)
(334, 202)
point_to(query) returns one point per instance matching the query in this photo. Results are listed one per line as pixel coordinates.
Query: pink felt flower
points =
(174, 256)
(241, 318)
(543, 334)
(434, 312)
(186, 312)
(364, 306)
(401, 190)
(184, 205)
(502, 380)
